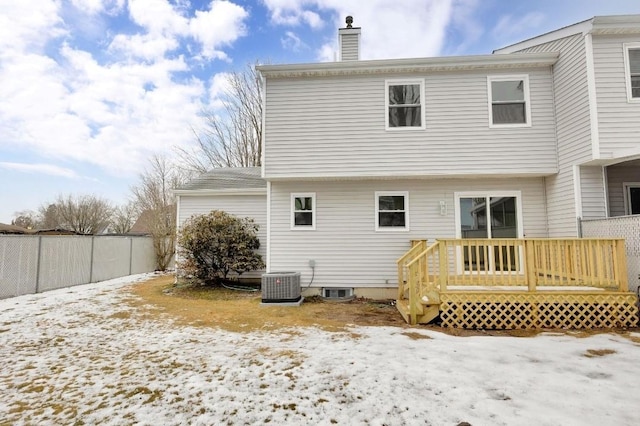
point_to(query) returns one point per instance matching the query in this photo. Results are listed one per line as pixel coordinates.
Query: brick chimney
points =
(349, 39)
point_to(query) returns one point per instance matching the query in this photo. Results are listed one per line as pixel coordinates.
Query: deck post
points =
(530, 269)
(443, 272)
(621, 271)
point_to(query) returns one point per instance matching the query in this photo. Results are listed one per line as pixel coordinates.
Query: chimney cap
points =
(349, 21)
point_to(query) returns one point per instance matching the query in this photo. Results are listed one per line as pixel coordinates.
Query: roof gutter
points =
(409, 65)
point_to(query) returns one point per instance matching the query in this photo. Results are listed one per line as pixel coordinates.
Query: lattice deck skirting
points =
(523, 310)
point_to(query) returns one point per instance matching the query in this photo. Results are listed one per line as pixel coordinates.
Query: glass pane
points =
(634, 200)
(473, 218)
(509, 113)
(405, 94)
(634, 61)
(507, 91)
(635, 86)
(304, 203)
(504, 225)
(391, 219)
(473, 223)
(391, 202)
(503, 217)
(405, 116)
(304, 219)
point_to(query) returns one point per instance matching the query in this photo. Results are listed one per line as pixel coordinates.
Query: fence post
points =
(621, 254)
(443, 266)
(91, 260)
(38, 262)
(530, 256)
(130, 255)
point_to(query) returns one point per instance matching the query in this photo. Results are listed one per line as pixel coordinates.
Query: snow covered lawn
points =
(83, 355)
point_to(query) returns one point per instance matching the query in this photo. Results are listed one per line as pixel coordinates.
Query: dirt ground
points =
(241, 311)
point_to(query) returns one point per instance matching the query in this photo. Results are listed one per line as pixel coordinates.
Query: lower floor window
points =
(392, 210)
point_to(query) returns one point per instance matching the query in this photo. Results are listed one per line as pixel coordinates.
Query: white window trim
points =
(626, 187)
(295, 227)
(379, 194)
(527, 100)
(399, 82)
(627, 71)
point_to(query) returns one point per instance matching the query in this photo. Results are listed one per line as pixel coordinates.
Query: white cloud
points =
(388, 31)
(291, 41)
(222, 24)
(47, 169)
(293, 13)
(28, 24)
(144, 46)
(113, 108)
(93, 7)
(158, 16)
(219, 86)
(509, 26)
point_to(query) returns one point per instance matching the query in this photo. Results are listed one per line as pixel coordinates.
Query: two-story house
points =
(362, 156)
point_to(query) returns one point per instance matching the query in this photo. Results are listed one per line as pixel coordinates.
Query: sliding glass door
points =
(494, 216)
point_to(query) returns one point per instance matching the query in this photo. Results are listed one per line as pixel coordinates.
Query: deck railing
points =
(530, 263)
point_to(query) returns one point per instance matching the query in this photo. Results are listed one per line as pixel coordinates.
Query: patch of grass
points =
(240, 311)
(593, 353)
(120, 315)
(415, 336)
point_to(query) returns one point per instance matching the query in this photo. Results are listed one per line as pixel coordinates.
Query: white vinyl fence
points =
(32, 263)
(627, 227)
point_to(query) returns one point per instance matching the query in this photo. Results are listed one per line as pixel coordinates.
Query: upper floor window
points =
(303, 211)
(632, 70)
(392, 211)
(405, 104)
(509, 101)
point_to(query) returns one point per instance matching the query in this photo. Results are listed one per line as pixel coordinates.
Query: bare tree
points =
(86, 214)
(26, 219)
(49, 217)
(231, 135)
(123, 218)
(155, 200)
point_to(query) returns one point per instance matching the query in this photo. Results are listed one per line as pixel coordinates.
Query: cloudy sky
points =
(90, 89)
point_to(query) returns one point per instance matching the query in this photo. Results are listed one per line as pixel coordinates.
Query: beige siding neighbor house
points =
(360, 157)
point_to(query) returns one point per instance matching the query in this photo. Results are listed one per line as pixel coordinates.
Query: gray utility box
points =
(281, 287)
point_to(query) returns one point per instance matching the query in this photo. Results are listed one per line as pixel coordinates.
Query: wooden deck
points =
(517, 284)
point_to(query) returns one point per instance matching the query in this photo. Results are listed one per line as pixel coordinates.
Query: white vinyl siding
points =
(593, 195)
(509, 101)
(252, 206)
(347, 250)
(617, 175)
(573, 130)
(349, 47)
(325, 127)
(618, 119)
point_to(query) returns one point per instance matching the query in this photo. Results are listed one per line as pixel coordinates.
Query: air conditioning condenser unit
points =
(281, 288)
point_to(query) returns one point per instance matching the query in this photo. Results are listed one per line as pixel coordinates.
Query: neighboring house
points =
(361, 157)
(18, 230)
(241, 192)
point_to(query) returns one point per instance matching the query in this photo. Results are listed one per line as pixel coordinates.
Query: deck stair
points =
(517, 284)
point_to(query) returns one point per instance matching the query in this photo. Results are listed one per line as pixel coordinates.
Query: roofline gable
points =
(614, 24)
